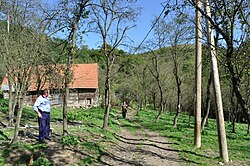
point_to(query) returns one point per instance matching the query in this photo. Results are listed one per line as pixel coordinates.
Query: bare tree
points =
(179, 33)
(111, 20)
(80, 6)
(155, 67)
(67, 17)
(155, 71)
(20, 50)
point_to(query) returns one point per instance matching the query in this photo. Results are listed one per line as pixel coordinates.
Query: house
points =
(83, 89)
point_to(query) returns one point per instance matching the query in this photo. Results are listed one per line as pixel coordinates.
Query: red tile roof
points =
(84, 76)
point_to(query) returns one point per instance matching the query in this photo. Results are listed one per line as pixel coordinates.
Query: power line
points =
(152, 27)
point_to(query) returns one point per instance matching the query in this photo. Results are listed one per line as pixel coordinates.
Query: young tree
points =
(112, 19)
(22, 50)
(154, 70)
(67, 18)
(77, 15)
(178, 33)
(156, 65)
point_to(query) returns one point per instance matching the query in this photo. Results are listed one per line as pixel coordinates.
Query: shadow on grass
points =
(144, 152)
(142, 139)
(5, 137)
(21, 153)
(138, 142)
(100, 156)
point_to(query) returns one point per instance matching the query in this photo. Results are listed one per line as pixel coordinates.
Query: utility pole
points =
(8, 26)
(217, 91)
(198, 69)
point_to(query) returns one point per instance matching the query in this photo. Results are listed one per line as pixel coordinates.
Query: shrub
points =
(69, 140)
(42, 161)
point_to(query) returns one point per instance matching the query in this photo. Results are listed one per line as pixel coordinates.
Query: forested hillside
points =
(134, 81)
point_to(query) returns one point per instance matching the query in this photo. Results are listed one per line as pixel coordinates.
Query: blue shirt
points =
(42, 103)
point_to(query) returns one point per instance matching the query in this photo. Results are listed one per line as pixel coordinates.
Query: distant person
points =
(42, 108)
(124, 109)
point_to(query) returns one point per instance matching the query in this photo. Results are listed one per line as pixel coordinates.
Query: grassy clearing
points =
(86, 136)
(182, 137)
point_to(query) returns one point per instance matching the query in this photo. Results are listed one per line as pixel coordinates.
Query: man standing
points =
(42, 108)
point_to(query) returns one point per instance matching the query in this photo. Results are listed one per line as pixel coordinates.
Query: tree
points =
(23, 48)
(178, 33)
(155, 67)
(110, 20)
(154, 70)
(67, 18)
(80, 6)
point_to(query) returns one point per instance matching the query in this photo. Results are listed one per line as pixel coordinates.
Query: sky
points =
(150, 10)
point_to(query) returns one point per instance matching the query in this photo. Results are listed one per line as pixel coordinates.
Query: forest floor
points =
(137, 147)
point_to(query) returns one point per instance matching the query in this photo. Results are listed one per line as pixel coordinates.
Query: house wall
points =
(77, 98)
(83, 98)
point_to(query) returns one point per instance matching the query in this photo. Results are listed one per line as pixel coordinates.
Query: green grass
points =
(84, 127)
(86, 134)
(182, 138)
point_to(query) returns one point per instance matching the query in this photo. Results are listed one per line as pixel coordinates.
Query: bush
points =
(42, 161)
(69, 140)
(4, 103)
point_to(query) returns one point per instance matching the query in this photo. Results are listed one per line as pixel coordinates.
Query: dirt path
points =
(141, 147)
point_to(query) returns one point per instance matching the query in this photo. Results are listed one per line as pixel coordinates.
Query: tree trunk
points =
(217, 92)
(234, 107)
(107, 97)
(236, 89)
(65, 111)
(72, 37)
(21, 98)
(198, 69)
(15, 102)
(154, 100)
(66, 89)
(161, 102)
(10, 103)
(21, 94)
(156, 75)
(208, 102)
(178, 83)
(248, 128)
(178, 109)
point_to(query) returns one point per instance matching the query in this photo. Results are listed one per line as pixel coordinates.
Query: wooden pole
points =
(198, 69)
(217, 91)
(8, 26)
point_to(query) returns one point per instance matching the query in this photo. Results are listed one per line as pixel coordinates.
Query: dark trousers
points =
(44, 126)
(124, 112)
